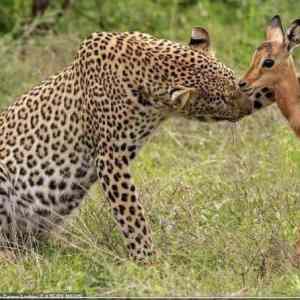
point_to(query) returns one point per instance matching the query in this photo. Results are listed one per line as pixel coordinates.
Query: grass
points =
(222, 199)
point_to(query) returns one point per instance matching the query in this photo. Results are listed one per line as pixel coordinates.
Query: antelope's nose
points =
(242, 84)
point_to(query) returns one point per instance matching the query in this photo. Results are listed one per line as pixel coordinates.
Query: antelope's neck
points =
(287, 94)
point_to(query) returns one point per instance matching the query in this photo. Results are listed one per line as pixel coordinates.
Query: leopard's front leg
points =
(116, 181)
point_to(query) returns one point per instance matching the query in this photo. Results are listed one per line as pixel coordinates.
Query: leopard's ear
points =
(200, 39)
(181, 96)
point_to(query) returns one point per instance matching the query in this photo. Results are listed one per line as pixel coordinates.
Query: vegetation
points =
(222, 199)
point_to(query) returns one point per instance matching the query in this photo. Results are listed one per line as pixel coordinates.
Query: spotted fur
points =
(89, 122)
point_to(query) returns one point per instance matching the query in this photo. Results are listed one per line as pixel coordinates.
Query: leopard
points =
(87, 123)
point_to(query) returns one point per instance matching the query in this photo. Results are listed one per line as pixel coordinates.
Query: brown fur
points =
(282, 77)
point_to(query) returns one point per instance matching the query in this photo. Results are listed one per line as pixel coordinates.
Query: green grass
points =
(222, 199)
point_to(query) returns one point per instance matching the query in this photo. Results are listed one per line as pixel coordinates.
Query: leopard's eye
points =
(268, 63)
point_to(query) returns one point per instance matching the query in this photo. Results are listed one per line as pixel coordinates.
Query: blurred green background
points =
(222, 199)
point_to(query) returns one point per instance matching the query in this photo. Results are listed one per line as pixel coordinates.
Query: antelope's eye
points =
(268, 63)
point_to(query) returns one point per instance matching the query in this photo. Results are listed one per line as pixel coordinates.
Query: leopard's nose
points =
(257, 104)
(242, 84)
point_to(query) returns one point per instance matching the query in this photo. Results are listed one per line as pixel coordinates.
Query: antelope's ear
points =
(200, 39)
(180, 96)
(293, 35)
(275, 30)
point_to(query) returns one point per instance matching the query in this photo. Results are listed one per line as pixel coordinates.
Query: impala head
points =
(272, 64)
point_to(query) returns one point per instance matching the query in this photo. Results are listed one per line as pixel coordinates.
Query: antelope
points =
(273, 66)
